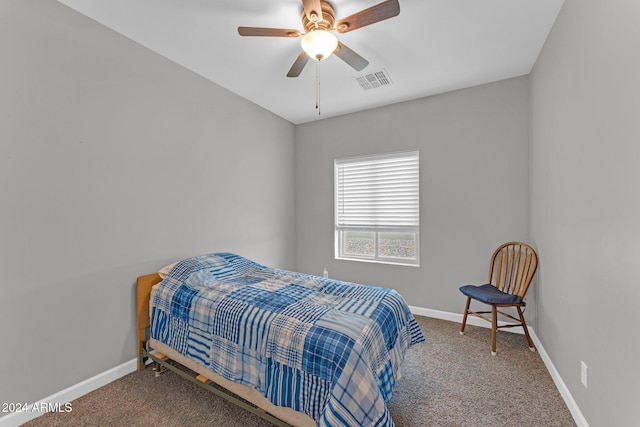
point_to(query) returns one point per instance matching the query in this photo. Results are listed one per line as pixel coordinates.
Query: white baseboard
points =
(59, 399)
(578, 417)
(453, 317)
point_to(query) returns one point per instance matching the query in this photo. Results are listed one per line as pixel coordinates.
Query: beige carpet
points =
(450, 380)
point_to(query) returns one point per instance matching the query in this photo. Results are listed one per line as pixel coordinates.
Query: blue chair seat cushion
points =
(489, 294)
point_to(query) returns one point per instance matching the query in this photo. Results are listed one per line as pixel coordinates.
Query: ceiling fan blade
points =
(298, 65)
(379, 12)
(312, 7)
(356, 61)
(267, 32)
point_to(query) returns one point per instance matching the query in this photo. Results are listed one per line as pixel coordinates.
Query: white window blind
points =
(378, 192)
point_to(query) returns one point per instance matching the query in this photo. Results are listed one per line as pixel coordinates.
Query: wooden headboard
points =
(143, 317)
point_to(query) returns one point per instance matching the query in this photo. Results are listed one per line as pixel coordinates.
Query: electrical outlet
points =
(584, 374)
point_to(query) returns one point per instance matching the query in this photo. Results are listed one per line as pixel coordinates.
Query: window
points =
(377, 202)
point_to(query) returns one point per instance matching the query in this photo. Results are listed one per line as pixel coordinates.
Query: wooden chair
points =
(511, 270)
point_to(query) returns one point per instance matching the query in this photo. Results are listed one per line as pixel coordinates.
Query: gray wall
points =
(473, 147)
(113, 162)
(585, 203)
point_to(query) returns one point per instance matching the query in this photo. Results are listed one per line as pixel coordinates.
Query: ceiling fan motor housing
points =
(326, 23)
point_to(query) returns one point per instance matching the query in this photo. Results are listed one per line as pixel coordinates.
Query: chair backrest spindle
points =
(512, 268)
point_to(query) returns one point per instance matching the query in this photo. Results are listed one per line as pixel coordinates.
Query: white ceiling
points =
(433, 46)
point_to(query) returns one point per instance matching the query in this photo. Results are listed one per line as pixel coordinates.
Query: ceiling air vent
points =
(374, 80)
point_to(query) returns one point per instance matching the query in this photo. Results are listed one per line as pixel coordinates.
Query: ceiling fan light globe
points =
(319, 44)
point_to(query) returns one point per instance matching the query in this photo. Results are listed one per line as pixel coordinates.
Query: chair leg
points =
(494, 328)
(464, 317)
(526, 330)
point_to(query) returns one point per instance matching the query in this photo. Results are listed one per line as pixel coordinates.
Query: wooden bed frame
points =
(164, 355)
(143, 317)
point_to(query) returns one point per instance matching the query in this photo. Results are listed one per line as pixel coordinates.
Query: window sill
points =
(377, 261)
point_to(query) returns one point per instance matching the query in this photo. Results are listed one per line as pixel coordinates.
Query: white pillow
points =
(166, 269)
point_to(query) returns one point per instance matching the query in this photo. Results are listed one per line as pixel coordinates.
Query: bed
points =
(308, 350)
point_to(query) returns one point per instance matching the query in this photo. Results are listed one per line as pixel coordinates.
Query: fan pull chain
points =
(318, 86)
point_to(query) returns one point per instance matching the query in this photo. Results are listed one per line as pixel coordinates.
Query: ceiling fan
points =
(319, 42)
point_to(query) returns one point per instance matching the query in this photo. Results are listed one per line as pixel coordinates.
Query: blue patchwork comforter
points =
(327, 348)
